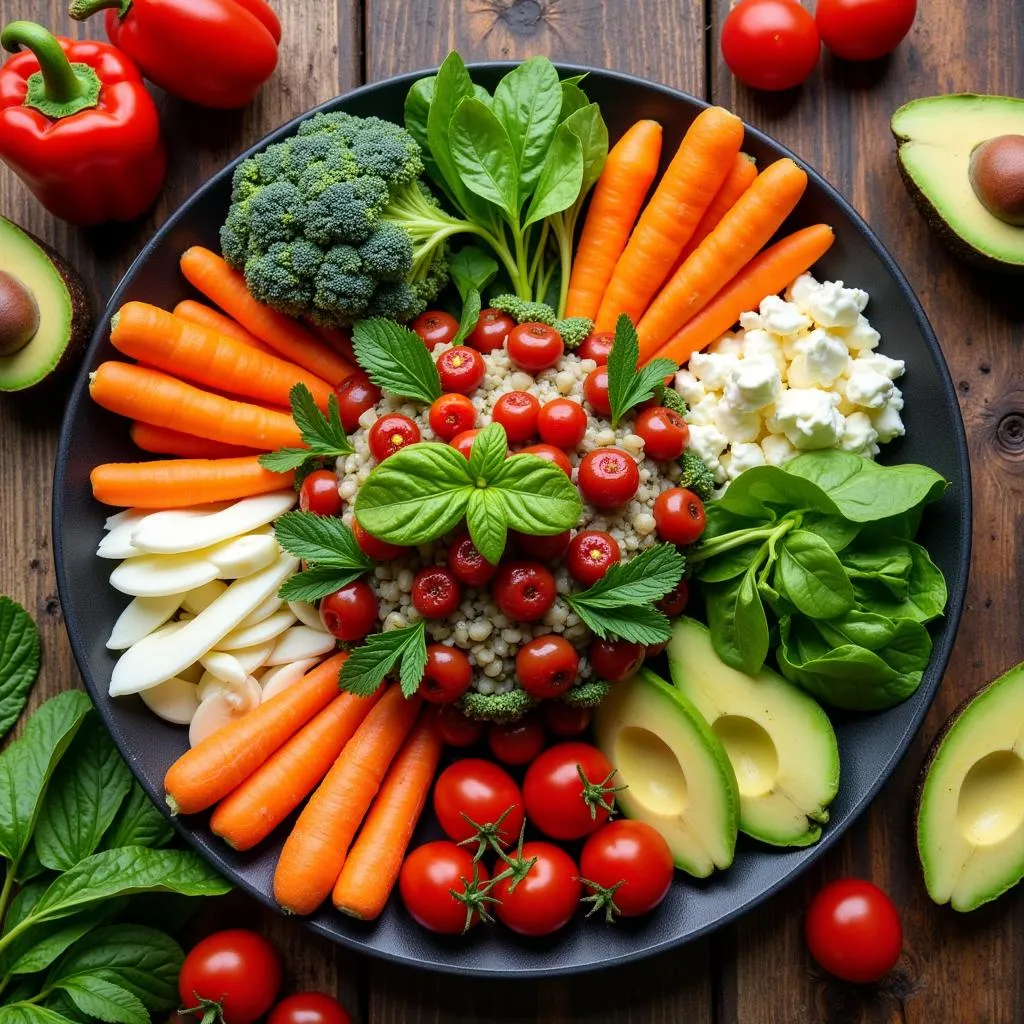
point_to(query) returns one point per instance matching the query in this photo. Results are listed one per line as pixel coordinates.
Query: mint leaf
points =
(105, 1001)
(629, 385)
(317, 582)
(486, 522)
(19, 660)
(139, 822)
(284, 460)
(323, 436)
(539, 499)
(370, 663)
(320, 539)
(470, 315)
(641, 624)
(488, 454)
(396, 359)
(30, 1013)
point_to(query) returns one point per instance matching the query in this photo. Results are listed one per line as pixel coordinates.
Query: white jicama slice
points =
(119, 517)
(255, 657)
(307, 614)
(271, 606)
(118, 542)
(174, 700)
(300, 643)
(160, 575)
(263, 631)
(225, 667)
(155, 659)
(172, 532)
(140, 618)
(276, 680)
(242, 556)
(221, 707)
(202, 597)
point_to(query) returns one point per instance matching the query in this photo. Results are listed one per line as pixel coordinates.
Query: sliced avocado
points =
(970, 808)
(678, 777)
(56, 295)
(936, 137)
(780, 742)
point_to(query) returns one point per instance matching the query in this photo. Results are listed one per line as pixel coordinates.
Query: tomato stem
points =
(603, 897)
(596, 794)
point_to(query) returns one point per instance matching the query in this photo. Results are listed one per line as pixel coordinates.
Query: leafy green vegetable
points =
(323, 436)
(812, 577)
(370, 663)
(471, 269)
(19, 660)
(470, 315)
(396, 359)
(628, 384)
(538, 498)
(329, 548)
(139, 823)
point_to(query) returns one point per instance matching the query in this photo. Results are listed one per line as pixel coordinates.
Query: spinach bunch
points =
(818, 559)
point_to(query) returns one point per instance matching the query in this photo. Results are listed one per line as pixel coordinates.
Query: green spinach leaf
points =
(471, 269)
(589, 127)
(470, 315)
(750, 493)
(483, 156)
(836, 531)
(573, 97)
(926, 595)
(19, 660)
(739, 626)
(733, 563)
(812, 577)
(561, 177)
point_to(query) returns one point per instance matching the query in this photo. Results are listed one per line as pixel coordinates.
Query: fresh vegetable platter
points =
(868, 746)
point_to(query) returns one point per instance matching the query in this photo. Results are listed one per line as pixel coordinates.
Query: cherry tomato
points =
(563, 719)
(435, 327)
(547, 666)
(491, 330)
(377, 549)
(319, 494)
(653, 650)
(450, 415)
(428, 876)
(770, 44)
(351, 612)
(562, 422)
(549, 453)
(467, 564)
(447, 674)
(608, 477)
(854, 931)
(675, 601)
(557, 800)
(482, 791)
(546, 898)
(435, 592)
(595, 391)
(679, 515)
(309, 1008)
(463, 443)
(864, 29)
(454, 728)
(547, 548)
(237, 969)
(461, 369)
(524, 590)
(631, 858)
(390, 433)
(518, 742)
(615, 660)
(356, 393)
(534, 347)
(596, 347)
(517, 412)
(591, 554)
(664, 431)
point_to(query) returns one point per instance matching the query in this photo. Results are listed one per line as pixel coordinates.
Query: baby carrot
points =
(164, 441)
(207, 316)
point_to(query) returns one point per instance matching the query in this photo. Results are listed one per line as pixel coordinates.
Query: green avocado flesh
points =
(779, 741)
(678, 777)
(936, 136)
(970, 814)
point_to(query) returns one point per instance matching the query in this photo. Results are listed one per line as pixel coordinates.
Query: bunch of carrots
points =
(368, 763)
(210, 387)
(685, 266)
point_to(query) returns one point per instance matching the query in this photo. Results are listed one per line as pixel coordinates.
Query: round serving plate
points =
(870, 745)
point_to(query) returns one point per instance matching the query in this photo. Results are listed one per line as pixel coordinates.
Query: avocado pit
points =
(19, 314)
(996, 171)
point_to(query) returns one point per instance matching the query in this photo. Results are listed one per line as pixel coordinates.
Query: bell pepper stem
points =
(60, 88)
(82, 9)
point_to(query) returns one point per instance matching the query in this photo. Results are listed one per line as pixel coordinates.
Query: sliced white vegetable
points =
(155, 659)
(171, 532)
(242, 556)
(192, 674)
(118, 542)
(276, 680)
(225, 667)
(299, 643)
(307, 614)
(198, 600)
(174, 700)
(269, 607)
(217, 710)
(119, 517)
(140, 618)
(254, 658)
(263, 631)
(159, 575)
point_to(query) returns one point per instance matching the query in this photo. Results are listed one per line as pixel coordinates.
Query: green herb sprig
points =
(323, 436)
(396, 360)
(628, 383)
(371, 663)
(330, 550)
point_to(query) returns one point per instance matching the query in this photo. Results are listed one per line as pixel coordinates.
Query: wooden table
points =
(955, 970)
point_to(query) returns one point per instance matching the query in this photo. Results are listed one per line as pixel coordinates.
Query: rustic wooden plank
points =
(954, 967)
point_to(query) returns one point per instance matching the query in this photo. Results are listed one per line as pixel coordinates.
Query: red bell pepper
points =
(216, 53)
(78, 126)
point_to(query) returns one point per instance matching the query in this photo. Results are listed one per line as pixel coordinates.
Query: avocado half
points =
(970, 806)
(936, 136)
(64, 317)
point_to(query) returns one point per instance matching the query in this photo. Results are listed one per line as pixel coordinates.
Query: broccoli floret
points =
(671, 399)
(523, 311)
(696, 475)
(275, 272)
(574, 330)
(587, 695)
(496, 707)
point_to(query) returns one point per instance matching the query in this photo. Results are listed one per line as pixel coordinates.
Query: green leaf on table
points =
(483, 156)
(139, 822)
(396, 359)
(368, 665)
(471, 269)
(488, 453)
(19, 660)
(539, 499)
(810, 574)
(561, 177)
(485, 520)
(470, 315)
(105, 1001)
(628, 384)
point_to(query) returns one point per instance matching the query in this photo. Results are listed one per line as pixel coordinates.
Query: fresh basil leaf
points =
(320, 539)
(471, 269)
(470, 315)
(561, 177)
(31, 1013)
(837, 532)
(483, 156)
(19, 660)
(628, 384)
(573, 97)
(488, 453)
(589, 127)
(732, 563)
(316, 582)
(105, 1001)
(416, 495)
(396, 360)
(27, 764)
(485, 520)
(539, 498)
(637, 624)
(812, 576)
(738, 624)
(139, 822)
(751, 491)
(370, 664)
(22, 903)
(30, 866)
(527, 102)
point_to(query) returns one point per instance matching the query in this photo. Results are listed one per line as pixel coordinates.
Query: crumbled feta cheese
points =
(887, 421)
(690, 389)
(759, 344)
(859, 434)
(867, 387)
(712, 369)
(704, 411)
(808, 417)
(738, 424)
(891, 368)
(751, 321)
(861, 336)
(777, 450)
(728, 344)
(754, 384)
(832, 305)
(709, 443)
(741, 457)
(781, 317)
(802, 289)
(819, 358)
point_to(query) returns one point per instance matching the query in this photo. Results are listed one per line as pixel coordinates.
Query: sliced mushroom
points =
(263, 631)
(202, 597)
(300, 643)
(174, 700)
(140, 618)
(308, 614)
(277, 680)
(226, 667)
(221, 707)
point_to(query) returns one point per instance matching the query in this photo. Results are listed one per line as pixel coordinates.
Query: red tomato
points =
(558, 801)
(428, 876)
(517, 412)
(615, 660)
(596, 347)
(463, 443)
(454, 728)
(631, 860)
(319, 494)
(595, 391)
(548, 548)
(679, 515)
(546, 898)
(770, 44)
(447, 674)
(467, 564)
(547, 666)
(356, 393)
(491, 330)
(524, 590)
(653, 650)
(549, 453)
(516, 743)
(563, 423)
(482, 791)
(664, 431)
(563, 719)
(435, 327)
(608, 477)
(450, 415)
(237, 969)
(378, 549)
(675, 601)
(534, 347)
(390, 433)
(309, 1008)
(351, 612)
(591, 554)
(461, 369)
(853, 930)
(435, 592)
(864, 29)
